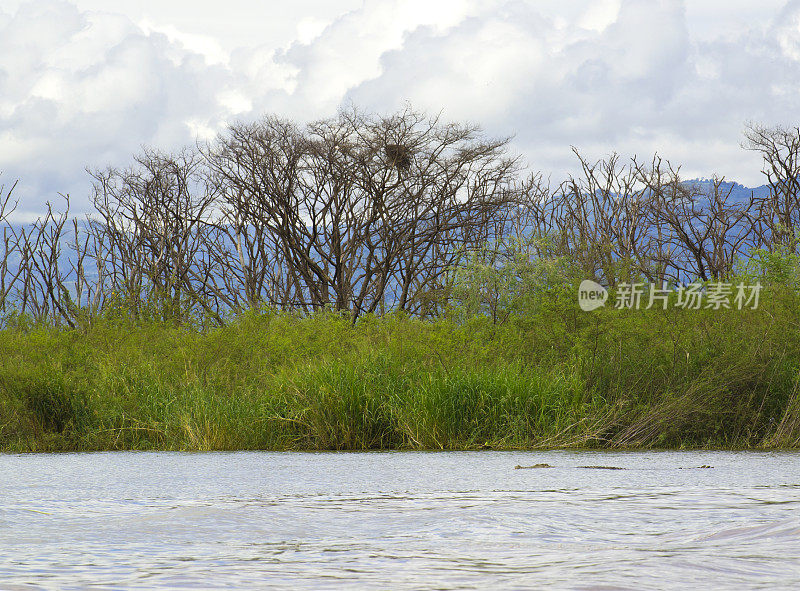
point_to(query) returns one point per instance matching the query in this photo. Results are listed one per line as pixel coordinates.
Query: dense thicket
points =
(546, 375)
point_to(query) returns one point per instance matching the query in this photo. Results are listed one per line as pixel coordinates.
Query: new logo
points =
(591, 295)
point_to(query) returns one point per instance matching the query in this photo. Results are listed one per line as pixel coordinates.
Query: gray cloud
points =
(640, 85)
(82, 88)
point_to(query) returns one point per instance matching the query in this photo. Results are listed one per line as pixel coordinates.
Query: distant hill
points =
(739, 192)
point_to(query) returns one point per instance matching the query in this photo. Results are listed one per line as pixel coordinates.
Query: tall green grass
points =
(546, 375)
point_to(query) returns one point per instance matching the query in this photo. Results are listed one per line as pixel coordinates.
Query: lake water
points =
(453, 520)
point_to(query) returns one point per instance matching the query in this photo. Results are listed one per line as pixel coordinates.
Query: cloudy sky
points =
(88, 82)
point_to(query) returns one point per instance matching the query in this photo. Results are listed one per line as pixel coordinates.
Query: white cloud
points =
(309, 29)
(211, 50)
(349, 51)
(788, 30)
(637, 85)
(88, 87)
(600, 15)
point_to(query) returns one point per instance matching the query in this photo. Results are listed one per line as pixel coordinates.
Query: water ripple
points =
(399, 520)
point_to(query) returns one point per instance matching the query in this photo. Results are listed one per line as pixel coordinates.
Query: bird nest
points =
(399, 156)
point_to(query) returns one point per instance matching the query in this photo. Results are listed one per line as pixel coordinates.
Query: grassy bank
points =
(548, 375)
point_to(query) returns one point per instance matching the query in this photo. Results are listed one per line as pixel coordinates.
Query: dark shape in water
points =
(602, 467)
(518, 467)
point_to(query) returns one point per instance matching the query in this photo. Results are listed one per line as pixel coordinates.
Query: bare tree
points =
(365, 213)
(359, 212)
(601, 219)
(32, 275)
(702, 229)
(609, 213)
(9, 246)
(780, 151)
(152, 219)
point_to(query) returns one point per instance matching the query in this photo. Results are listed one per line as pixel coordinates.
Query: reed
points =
(551, 376)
